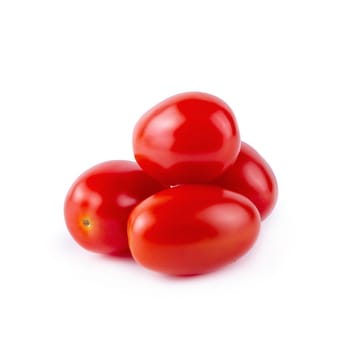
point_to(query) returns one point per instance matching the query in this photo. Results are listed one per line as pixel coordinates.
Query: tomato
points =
(188, 138)
(99, 202)
(192, 229)
(251, 176)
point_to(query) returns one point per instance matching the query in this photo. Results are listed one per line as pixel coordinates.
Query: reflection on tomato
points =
(99, 202)
(192, 229)
(188, 138)
(251, 176)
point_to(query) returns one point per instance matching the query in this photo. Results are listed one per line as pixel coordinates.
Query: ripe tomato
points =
(251, 176)
(192, 229)
(188, 138)
(99, 202)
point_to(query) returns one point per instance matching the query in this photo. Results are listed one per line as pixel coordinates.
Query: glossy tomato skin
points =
(98, 204)
(192, 229)
(188, 138)
(252, 177)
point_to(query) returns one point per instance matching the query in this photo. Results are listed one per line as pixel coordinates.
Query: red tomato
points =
(99, 202)
(251, 176)
(192, 229)
(188, 138)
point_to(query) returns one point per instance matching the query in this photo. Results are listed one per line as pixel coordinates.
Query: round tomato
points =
(192, 229)
(99, 202)
(251, 176)
(188, 138)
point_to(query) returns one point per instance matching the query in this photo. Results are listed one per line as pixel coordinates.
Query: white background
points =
(74, 78)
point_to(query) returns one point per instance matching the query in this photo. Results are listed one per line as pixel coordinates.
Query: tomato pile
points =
(192, 203)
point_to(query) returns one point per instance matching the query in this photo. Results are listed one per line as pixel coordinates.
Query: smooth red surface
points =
(251, 176)
(192, 229)
(188, 138)
(99, 202)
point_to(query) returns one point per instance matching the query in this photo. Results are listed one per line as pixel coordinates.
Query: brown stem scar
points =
(86, 222)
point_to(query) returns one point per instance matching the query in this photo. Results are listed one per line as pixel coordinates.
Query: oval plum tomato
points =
(188, 138)
(192, 229)
(99, 202)
(252, 177)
